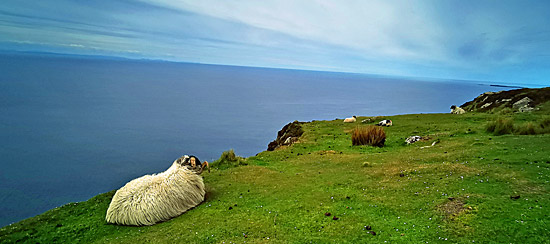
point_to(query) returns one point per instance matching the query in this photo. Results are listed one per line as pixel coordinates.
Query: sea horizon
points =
(511, 85)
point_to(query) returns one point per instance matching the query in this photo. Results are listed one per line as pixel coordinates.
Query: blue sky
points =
(497, 41)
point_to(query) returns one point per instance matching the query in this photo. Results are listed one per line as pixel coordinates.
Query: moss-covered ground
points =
(471, 187)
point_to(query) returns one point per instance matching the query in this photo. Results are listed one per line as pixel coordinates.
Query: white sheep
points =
(457, 110)
(413, 139)
(350, 120)
(159, 197)
(385, 122)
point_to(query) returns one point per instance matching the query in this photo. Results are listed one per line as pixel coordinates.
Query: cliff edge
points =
(287, 135)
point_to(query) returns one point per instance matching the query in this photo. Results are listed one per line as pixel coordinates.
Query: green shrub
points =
(228, 159)
(370, 135)
(526, 129)
(501, 126)
(545, 125)
(491, 126)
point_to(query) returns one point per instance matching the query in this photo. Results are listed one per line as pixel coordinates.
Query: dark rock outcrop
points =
(287, 135)
(519, 100)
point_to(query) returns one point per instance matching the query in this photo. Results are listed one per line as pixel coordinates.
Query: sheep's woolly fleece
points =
(350, 120)
(155, 198)
(457, 110)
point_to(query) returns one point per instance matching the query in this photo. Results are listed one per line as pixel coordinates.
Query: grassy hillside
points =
(533, 98)
(462, 190)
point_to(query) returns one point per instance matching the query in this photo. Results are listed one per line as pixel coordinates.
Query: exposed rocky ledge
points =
(519, 100)
(287, 135)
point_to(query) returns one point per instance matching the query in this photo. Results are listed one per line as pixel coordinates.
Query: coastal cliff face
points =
(287, 135)
(519, 100)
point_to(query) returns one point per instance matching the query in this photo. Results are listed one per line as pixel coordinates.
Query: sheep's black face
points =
(453, 107)
(183, 160)
(193, 162)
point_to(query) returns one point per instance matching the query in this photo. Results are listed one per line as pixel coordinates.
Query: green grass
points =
(402, 191)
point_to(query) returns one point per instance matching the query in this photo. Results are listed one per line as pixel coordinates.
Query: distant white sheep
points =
(413, 139)
(159, 197)
(457, 110)
(385, 122)
(350, 120)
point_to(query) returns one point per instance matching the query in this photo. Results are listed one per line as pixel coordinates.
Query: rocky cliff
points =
(286, 136)
(519, 100)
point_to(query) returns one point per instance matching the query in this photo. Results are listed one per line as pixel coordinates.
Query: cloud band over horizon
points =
(501, 41)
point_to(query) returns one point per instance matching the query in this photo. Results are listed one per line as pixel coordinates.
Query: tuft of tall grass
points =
(528, 128)
(506, 111)
(228, 159)
(501, 126)
(545, 125)
(369, 135)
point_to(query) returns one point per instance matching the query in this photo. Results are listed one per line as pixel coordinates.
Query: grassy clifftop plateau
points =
(471, 187)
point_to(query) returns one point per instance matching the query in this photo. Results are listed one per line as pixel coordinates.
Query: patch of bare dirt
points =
(452, 208)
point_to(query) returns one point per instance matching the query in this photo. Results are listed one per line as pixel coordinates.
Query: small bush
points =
(228, 159)
(545, 124)
(526, 129)
(491, 126)
(501, 126)
(370, 135)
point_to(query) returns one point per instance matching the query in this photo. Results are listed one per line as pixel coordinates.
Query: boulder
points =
(523, 105)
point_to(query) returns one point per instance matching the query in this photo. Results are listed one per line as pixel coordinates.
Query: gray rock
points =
(523, 105)
(526, 109)
(486, 105)
(524, 102)
(288, 141)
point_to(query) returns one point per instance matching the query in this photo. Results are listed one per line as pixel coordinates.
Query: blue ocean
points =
(73, 127)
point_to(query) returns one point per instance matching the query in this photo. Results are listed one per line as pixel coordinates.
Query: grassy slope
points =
(401, 191)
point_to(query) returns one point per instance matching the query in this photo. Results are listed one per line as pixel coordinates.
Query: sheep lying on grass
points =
(413, 139)
(159, 197)
(385, 122)
(367, 120)
(457, 110)
(350, 120)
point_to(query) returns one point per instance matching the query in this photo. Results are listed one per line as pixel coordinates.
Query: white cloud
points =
(419, 38)
(374, 28)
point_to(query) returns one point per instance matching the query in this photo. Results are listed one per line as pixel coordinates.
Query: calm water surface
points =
(71, 127)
